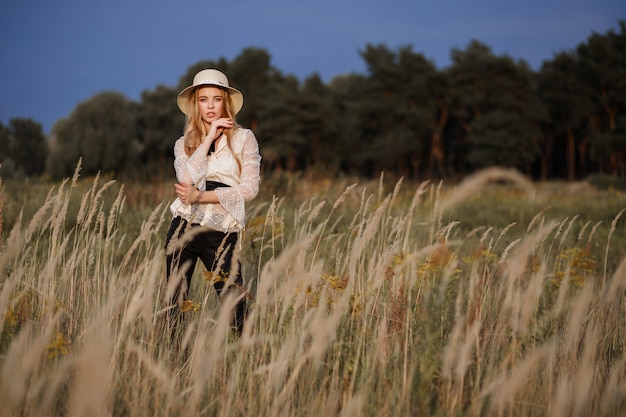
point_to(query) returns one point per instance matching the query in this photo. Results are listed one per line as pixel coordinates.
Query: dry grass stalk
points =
(90, 394)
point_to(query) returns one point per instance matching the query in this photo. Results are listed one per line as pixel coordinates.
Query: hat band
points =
(212, 82)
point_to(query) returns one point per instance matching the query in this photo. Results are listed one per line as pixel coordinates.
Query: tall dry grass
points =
(368, 305)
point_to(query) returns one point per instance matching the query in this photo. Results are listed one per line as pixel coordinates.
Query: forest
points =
(404, 116)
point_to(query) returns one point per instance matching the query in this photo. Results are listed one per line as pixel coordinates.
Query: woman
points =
(217, 165)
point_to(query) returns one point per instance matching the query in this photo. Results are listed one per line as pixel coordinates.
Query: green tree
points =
(562, 91)
(319, 125)
(381, 128)
(418, 111)
(348, 92)
(23, 148)
(496, 106)
(7, 165)
(5, 142)
(29, 148)
(283, 144)
(396, 110)
(602, 61)
(438, 87)
(469, 87)
(508, 132)
(160, 124)
(101, 130)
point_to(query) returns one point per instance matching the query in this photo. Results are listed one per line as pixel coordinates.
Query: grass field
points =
(491, 297)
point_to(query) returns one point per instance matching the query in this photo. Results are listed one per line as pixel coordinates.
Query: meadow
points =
(494, 296)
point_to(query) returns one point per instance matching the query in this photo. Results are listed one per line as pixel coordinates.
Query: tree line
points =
(404, 116)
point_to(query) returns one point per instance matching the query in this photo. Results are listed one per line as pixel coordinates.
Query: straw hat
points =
(209, 77)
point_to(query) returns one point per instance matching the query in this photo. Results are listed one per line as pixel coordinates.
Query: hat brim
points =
(183, 98)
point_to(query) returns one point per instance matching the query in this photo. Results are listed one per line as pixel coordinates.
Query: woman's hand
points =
(187, 193)
(217, 127)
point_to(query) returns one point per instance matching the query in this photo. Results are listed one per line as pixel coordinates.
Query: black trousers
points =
(184, 244)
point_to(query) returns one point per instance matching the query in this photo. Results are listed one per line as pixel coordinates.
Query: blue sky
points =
(57, 53)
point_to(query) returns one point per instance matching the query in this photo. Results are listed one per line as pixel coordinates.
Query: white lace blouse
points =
(229, 214)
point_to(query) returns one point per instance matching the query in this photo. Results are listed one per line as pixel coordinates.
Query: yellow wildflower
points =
(58, 346)
(189, 305)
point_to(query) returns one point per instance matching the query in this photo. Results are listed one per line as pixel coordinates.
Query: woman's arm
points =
(190, 169)
(189, 194)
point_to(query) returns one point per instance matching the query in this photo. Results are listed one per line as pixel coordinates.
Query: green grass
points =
(491, 297)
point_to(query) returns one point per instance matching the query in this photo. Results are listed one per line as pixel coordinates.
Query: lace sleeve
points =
(190, 169)
(233, 199)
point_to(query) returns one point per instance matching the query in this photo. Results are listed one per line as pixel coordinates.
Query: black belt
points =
(212, 185)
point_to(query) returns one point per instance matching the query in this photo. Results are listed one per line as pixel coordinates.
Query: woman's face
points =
(210, 103)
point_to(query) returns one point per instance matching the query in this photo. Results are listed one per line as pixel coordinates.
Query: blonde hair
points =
(195, 130)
